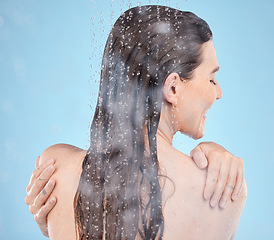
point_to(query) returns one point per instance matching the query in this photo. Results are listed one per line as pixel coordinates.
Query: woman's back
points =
(186, 214)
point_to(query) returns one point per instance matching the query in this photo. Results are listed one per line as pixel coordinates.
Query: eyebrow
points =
(216, 69)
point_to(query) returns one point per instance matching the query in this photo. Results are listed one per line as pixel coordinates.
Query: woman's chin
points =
(195, 136)
(198, 136)
(199, 133)
(196, 132)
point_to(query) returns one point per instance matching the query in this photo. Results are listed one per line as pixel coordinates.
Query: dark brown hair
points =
(119, 195)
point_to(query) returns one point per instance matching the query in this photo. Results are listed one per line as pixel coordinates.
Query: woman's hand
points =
(38, 191)
(225, 174)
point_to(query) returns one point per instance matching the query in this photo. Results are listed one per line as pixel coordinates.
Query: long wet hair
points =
(119, 195)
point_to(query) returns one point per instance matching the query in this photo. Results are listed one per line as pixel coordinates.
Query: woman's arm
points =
(68, 162)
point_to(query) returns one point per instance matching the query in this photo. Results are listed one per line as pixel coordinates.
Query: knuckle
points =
(35, 173)
(235, 162)
(32, 209)
(27, 200)
(37, 218)
(236, 159)
(214, 154)
(36, 201)
(227, 155)
(241, 162)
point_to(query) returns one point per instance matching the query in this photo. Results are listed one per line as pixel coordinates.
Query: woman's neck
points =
(165, 133)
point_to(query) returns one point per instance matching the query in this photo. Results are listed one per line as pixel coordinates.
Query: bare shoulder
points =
(193, 216)
(62, 152)
(68, 159)
(68, 163)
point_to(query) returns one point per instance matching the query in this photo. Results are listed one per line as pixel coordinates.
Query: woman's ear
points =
(170, 89)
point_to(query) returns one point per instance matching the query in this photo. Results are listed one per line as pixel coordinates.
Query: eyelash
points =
(212, 82)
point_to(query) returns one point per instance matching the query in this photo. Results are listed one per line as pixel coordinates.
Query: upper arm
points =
(61, 223)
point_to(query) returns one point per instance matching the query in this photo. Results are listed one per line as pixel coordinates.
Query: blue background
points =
(50, 54)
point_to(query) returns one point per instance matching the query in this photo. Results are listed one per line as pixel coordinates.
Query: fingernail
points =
(213, 203)
(52, 200)
(223, 204)
(207, 196)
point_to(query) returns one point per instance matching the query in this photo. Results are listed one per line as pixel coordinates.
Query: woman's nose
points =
(219, 92)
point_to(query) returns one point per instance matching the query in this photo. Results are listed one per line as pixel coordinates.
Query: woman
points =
(157, 78)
